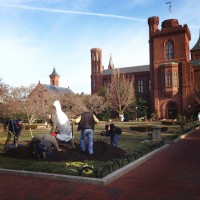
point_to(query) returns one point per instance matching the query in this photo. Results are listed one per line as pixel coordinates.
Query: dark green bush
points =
(32, 126)
(168, 122)
(140, 128)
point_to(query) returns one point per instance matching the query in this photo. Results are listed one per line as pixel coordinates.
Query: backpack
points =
(118, 130)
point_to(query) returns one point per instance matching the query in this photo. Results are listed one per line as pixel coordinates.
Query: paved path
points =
(173, 174)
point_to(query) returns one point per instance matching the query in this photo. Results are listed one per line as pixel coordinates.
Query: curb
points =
(103, 181)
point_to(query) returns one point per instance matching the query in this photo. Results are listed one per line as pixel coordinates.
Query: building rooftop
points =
(133, 69)
(195, 62)
(54, 73)
(197, 45)
(58, 89)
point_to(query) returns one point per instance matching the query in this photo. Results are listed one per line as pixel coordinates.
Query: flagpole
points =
(170, 7)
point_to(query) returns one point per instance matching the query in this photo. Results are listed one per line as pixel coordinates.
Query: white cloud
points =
(71, 12)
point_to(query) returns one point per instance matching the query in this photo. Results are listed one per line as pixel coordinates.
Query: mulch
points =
(102, 152)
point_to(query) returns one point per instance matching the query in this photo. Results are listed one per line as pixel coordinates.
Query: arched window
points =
(169, 49)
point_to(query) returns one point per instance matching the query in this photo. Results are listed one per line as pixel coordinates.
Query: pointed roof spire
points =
(111, 65)
(54, 73)
(197, 45)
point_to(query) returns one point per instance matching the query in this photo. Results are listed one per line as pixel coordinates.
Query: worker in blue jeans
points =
(86, 123)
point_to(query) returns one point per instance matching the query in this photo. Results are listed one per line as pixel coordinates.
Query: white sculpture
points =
(64, 127)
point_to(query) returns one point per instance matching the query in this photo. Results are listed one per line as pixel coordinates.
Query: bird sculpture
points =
(64, 127)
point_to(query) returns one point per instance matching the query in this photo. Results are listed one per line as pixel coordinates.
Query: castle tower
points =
(54, 78)
(170, 69)
(153, 27)
(96, 70)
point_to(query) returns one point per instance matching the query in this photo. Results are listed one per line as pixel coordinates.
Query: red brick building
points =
(40, 88)
(167, 83)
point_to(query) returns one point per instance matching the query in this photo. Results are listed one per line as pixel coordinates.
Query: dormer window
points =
(169, 49)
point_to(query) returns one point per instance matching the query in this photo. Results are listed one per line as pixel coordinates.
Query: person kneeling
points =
(114, 133)
(46, 144)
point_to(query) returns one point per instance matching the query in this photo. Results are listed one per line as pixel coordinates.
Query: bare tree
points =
(94, 103)
(21, 102)
(74, 105)
(32, 105)
(4, 99)
(119, 92)
(3, 91)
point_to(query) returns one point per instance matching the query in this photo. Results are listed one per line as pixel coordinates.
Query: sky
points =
(38, 35)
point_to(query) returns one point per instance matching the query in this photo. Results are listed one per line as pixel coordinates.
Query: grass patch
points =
(129, 141)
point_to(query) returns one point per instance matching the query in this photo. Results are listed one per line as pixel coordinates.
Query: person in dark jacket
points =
(86, 123)
(13, 127)
(114, 133)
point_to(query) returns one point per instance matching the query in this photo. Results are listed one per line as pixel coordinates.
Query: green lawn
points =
(129, 141)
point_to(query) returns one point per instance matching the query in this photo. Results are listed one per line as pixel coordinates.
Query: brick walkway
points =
(171, 174)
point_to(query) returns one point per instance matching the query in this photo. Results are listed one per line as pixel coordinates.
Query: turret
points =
(54, 78)
(96, 70)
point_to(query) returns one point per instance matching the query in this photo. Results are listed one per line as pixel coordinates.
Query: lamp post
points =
(136, 112)
(189, 112)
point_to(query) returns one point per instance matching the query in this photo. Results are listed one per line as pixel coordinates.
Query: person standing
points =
(86, 123)
(13, 127)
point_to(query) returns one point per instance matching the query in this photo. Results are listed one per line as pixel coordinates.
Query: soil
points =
(102, 152)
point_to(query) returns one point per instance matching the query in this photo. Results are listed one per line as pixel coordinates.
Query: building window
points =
(149, 85)
(40, 94)
(168, 79)
(93, 83)
(140, 87)
(163, 78)
(175, 79)
(93, 57)
(109, 87)
(169, 50)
